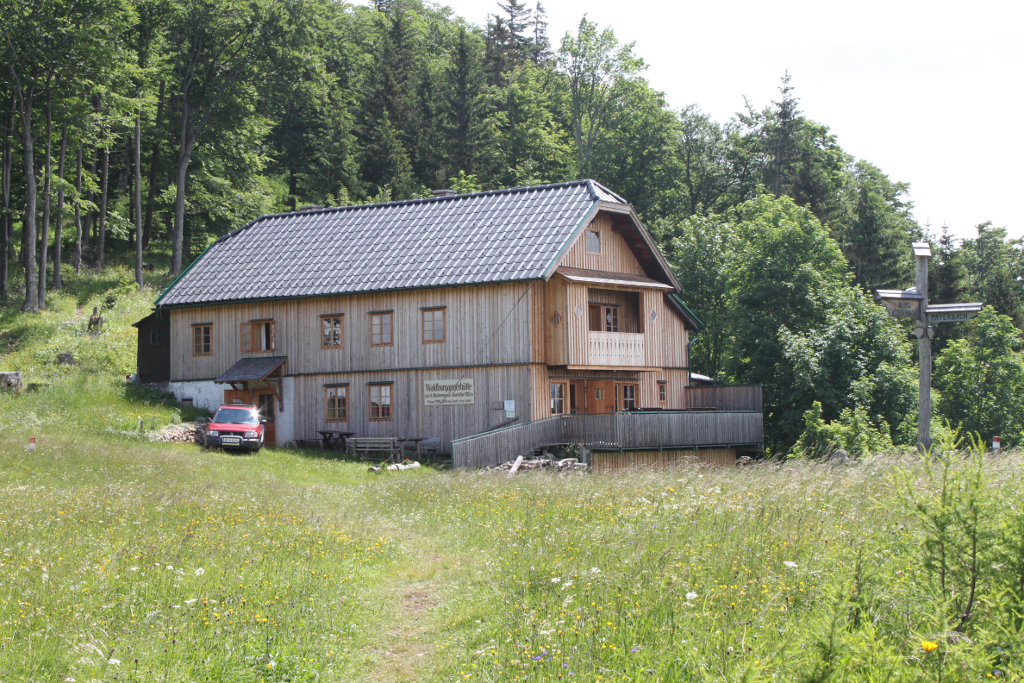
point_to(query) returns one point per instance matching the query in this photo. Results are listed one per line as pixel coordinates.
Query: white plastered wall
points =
(205, 395)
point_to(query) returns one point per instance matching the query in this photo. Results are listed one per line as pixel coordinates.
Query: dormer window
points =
(593, 241)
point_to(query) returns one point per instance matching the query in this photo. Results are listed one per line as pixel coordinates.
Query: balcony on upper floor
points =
(617, 349)
(616, 335)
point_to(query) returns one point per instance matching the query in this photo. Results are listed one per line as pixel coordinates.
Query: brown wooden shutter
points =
(245, 336)
(273, 335)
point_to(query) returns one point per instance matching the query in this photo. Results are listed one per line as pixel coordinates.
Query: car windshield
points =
(238, 416)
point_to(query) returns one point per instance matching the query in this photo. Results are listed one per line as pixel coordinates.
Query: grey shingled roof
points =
(251, 369)
(499, 236)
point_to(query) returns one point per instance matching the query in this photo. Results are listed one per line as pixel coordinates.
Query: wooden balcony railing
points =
(617, 349)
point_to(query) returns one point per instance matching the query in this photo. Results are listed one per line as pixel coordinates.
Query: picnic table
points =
(333, 437)
(414, 440)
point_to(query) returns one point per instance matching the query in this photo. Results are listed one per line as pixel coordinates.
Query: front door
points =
(601, 396)
(267, 404)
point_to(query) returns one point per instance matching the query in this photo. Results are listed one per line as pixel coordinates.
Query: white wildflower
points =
(791, 565)
(555, 580)
(595, 570)
(170, 568)
(190, 601)
(200, 571)
(115, 662)
(691, 596)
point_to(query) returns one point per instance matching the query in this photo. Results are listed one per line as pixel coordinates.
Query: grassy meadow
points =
(126, 560)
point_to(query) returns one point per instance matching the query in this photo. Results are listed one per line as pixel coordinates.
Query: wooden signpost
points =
(913, 304)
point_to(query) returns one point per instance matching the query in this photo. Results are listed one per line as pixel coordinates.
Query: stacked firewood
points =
(186, 432)
(521, 463)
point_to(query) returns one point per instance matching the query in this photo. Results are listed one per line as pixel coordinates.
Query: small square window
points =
(202, 340)
(593, 241)
(155, 337)
(380, 329)
(433, 326)
(662, 392)
(336, 399)
(380, 402)
(332, 332)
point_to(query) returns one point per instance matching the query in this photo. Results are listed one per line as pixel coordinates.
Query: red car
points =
(237, 426)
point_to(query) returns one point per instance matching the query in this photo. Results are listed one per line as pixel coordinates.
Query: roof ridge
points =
(589, 183)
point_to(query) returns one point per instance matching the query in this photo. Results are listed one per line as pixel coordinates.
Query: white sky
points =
(930, 92)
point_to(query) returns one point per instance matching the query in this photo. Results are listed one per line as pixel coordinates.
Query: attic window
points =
(593, 241)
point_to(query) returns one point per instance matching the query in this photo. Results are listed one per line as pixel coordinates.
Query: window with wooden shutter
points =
(257, 336)
(604, 318)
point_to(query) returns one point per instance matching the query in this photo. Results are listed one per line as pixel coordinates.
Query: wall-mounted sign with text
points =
(448, 392)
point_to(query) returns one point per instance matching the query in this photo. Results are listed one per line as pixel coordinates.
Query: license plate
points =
(231, 441)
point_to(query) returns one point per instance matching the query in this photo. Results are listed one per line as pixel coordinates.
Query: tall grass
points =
(122, 559)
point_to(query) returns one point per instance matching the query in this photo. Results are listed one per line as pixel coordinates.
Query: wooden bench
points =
(364, 447)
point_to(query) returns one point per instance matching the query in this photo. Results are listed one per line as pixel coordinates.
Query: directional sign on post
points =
(905, 303)
(952, 313)
(913, 304)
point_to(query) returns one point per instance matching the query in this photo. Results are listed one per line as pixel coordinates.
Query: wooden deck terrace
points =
(616, 432)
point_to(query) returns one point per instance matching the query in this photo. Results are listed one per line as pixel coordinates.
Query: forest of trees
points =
(155, 126)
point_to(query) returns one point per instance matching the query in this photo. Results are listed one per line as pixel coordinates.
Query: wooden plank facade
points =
(596, 334)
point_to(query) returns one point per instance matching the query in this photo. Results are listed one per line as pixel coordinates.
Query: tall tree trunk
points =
(78, 213)
(138, 197)
(184, 157)
(59, 232)
(153, 165)
(5, 219)
(101, 234)
(47, 184)
(90, 215)
(29, 227)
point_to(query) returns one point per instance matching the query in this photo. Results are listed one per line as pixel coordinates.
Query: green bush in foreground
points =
(125, 560)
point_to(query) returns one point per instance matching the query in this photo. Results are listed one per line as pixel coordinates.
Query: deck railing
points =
(662, 429)
(617, 349)
(745, 397)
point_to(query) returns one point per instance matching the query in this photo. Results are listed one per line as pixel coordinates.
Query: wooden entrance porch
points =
(704, 426)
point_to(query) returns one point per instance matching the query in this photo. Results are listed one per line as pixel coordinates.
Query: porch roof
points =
(605, 278)
(251, 370)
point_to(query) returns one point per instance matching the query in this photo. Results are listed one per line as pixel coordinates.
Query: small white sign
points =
(448, 392)
(995, 443)
(510, 409)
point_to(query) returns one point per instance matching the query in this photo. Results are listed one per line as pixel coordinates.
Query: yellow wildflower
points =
(928, 645)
